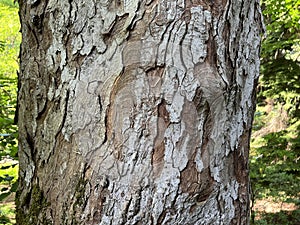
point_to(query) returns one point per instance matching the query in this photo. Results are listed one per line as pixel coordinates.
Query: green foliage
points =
(275, 152)
(280, 50)
(10, 39)
(8, 179)
(282, 21)
(10, 3)
(275, 170)
(280, 218)
(7, 214)
(9, 47)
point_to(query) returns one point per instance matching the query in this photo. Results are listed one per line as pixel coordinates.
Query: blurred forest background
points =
(275, 142)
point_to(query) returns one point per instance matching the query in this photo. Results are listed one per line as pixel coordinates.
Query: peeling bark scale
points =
(136, 112)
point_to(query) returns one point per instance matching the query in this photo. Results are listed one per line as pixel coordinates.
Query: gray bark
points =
(136, 112)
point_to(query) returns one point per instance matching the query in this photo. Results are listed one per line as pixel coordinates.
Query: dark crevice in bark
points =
(164, 33)
(107, 132)
(37, 21)
(203, 195)
(16, 116)
(170, 25)
(70, 13)
(105, 123)
(241, 169)
(30, 142)
(36, 43)
(212, 51)
(43, 113)
(65, 110)
(163, 121)
(197, 100)
(181, 48)
(186, 16)
(100, 103)
(230, 64)
(155, 70)
(125, 212)
(207, 125)
(35, 3)
(138, 16)
(162, 217)
(57, 137)
(118, 25)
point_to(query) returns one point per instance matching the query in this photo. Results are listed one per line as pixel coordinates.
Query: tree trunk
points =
(136, 112)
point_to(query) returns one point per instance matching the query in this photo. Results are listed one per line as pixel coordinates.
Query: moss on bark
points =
(35, 204)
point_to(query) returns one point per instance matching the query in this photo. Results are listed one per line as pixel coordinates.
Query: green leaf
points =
(4, 195)
(14, 186)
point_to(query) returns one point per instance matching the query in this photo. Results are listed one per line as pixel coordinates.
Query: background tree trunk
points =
(136, 112)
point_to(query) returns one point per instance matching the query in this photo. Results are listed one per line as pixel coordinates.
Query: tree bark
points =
(136, 112)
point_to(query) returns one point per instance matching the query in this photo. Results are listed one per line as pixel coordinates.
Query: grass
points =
(268, 211)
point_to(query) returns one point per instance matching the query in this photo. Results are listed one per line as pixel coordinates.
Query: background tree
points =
(136, 112)
(276, 140)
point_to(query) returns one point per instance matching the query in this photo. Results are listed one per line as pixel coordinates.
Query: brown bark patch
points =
(163, 112)
(156, 72)
(190, 179)
(154, 76)
(118, 26)
(218, 6)
(122, 102)
(159, 144)
(241, 170)
(157, 159)
(120, 83)
(240, 155)
(198, 185)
